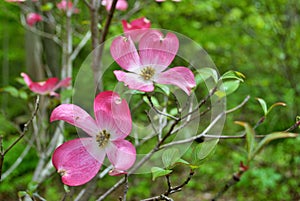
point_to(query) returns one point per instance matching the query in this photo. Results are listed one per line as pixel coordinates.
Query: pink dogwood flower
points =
(79, 160)
(46, 87)
(65, 5)
(137, 28)
(148, 66)
(33, 18)
(121, 4)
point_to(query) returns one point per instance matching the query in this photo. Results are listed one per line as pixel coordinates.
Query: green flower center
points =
(102, 138)
(147, 72)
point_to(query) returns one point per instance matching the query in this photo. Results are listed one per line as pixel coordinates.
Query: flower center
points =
(147, 72)
(102, 138)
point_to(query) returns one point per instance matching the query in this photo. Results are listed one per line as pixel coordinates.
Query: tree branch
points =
(22, 134)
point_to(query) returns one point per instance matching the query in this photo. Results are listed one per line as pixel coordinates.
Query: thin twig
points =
(158, 111)
(232, 181)
(40, 33)
(202, 102)
(22, 134)
(239, 106)
(171, 190)
(107, 23)
(82, 43)
(293, 127)
(25, 128)
(17, 162)
(125, 187)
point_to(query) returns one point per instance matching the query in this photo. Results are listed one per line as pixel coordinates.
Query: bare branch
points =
(22, 134)
(158, 111)
(82, 43)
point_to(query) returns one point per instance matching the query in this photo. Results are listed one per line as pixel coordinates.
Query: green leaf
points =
(250, 138)
(23, 95)
(170, 156)
(153, 100)
(233, 75)
(181, 161)
(174, 111)
(66, 188)
(230, 86)
(47, 7)
(275, 105)
(21, 194)
(202, 151)
(263, 104)
(133, 92)
(271, 137)
(12, 91)
(32, 186)
(164, 88)
(205, 73)
(159, 172)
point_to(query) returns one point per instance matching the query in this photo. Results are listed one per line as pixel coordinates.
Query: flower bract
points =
(79, 160)
(46, 87)
(148, 64)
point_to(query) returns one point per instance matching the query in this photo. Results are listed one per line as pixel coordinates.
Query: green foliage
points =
(257, 38)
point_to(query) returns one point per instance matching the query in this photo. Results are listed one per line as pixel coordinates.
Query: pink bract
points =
(121, 4)
(136, 28)
(79, 160)
(47, 87)
(33, 18)
(66, 5)
(148, 65)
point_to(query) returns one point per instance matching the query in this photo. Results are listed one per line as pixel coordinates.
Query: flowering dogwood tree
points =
(165, 109)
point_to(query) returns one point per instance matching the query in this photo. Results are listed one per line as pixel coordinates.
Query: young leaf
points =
(67, 189)
(275, 105)
(164, 88)
(205, 73)
(181, 161)
(159, 172)
(250, 138)
(153, 100)
(170, 156)
(271, 137)
(12, 91)
(47, 7)
(21, 194)
(230, 86)
(263, 104)
(233, 75)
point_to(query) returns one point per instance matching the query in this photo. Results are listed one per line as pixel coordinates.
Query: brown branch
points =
(22, 134)
(234, 179)
(158, 111)
(171, 190)
(108, 22)
(293, 127)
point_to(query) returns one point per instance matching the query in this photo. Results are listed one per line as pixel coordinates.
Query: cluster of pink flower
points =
(79, 160)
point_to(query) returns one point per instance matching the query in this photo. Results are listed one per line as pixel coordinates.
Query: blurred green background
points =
(258, 38)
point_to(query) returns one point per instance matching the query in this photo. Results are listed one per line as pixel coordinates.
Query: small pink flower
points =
(121, 4)
(64, 5)
(47, 87)
(79, 160)
(33, 18)
(137, 28)
(147, 66)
